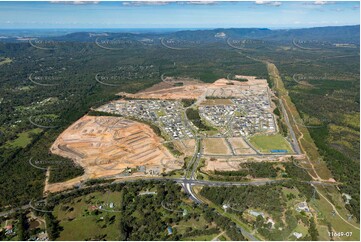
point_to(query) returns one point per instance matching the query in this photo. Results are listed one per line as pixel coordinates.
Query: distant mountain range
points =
(333, 34)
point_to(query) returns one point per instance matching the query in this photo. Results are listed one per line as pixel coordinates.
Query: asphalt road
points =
(294, 142)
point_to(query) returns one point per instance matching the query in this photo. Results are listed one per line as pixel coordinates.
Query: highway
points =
(294, 142)
(191, 169)
(188, 183)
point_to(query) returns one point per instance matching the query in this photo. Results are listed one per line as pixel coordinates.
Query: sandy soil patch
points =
(189, 143)
(183, 92)
(186, 146)
(240, 146)
(252, 81)
(216, 146)
(221, 165)
(158, 86)
(232, 164)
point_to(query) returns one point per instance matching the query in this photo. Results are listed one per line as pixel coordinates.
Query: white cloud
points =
(76, 2)
(270, 3)
(142, 3)
(320, 2)
(201, 2)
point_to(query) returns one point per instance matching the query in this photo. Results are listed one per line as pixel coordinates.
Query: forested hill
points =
(342, 34)
(347, 34)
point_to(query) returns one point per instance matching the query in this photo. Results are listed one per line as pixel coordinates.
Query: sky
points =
(193, 15)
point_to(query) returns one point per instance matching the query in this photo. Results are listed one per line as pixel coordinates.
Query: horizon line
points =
(193, 28)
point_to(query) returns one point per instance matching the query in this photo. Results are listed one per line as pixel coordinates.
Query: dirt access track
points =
(110, 147)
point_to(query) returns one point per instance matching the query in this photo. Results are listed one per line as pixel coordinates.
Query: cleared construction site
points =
(221, 88)
(113, 146)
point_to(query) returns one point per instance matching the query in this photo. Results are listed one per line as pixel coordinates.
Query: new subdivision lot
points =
(216, 146)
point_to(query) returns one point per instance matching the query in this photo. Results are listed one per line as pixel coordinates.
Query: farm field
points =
(82, 220)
